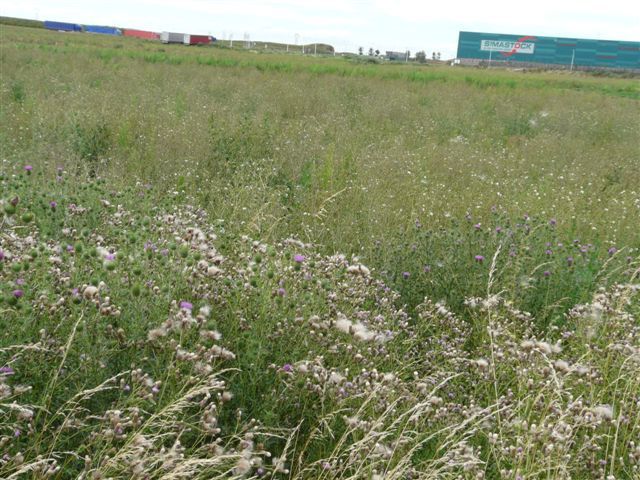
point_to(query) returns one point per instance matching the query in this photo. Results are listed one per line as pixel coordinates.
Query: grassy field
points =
(218, 264)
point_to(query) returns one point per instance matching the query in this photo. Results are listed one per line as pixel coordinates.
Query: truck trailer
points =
(62, 26)
(196, 39)
(102, 30)
(172, 37)
(144, 34)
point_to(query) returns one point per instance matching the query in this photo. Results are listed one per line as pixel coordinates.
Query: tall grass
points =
(218, 264)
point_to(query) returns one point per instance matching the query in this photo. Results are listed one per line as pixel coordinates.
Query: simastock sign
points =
(583, 53)
(508, 48)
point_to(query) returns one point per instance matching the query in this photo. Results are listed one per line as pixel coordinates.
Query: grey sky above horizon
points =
(349, 24)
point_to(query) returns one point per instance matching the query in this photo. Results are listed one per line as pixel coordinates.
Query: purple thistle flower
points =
(17, 432)
(548, 251)
(18, 293)
(69, 248)
(53, 204)
(186, 305)
(405, 275)
(287, 367)
(6, 370)
(155, 389)
(298, 258)
(547, 273)
(281, 292)
(498, 229)
(427, 268)
(569, 261)
(477, 226)
(552, 222)
(612, 251)
(110, 257)
(28, 168)
(1, 255)
(20, 281)
(479, 258)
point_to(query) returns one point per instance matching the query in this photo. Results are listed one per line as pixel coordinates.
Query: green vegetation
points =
(223, 264)
(20, 22)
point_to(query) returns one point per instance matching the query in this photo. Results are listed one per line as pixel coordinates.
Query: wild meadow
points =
(232, 264)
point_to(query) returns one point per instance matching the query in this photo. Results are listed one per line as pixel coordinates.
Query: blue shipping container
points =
(102, 30)
(65, 27)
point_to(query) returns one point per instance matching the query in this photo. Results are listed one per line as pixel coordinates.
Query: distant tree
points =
(360, 50)
(433, 55)
(421, 56)
(408, 54)
(370, 52)
(438, 55)
(377, 52)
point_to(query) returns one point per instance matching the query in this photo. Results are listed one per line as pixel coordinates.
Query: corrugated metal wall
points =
(501, 47)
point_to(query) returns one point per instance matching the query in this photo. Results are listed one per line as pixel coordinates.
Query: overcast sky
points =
(348, 24)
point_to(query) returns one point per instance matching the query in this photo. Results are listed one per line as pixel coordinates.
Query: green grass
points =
(496, 213)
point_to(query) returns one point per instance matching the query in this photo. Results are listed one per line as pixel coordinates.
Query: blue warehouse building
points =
(532, 50)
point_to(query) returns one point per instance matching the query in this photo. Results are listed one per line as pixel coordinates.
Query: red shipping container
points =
(129, 32)
(197, 39)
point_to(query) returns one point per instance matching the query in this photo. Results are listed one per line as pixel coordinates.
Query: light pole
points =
(573, 56)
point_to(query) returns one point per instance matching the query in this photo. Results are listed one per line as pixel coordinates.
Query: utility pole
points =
(315, 49)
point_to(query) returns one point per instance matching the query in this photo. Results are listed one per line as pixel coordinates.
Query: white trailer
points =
(172, 37)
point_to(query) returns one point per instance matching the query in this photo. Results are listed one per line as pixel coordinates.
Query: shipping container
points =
(102, 30)
(62, 26)
(196, 39)
(171, 37)
(132, 32)
(531, 50)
